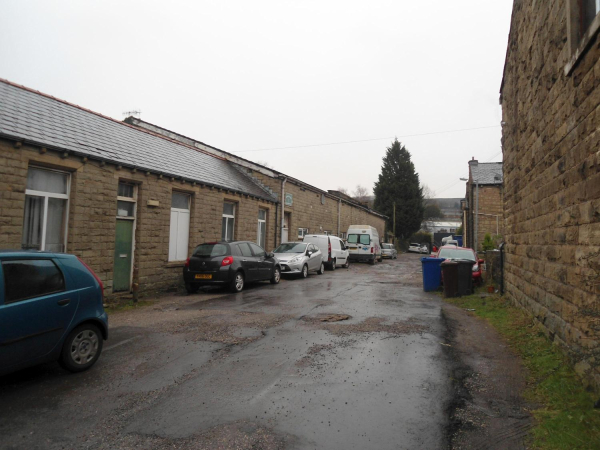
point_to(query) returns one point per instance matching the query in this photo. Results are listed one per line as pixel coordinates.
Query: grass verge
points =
(565, 418)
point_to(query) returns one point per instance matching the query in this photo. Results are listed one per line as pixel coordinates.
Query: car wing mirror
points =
(480, 261)
(271, 255)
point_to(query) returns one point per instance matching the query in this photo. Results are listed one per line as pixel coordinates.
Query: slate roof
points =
(40, 119)
(487, 173)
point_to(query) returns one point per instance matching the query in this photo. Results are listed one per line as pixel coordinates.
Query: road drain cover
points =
(335, 317)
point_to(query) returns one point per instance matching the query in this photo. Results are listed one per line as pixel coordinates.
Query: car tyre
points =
(321, 270)
(192, 288)
(332, 265)
(304, 273)
(345, 266)
(237, 284)
(276, 276)
(82, 348)
(372, 261)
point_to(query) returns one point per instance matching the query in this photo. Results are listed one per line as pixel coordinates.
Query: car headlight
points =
(295, 260)
(475, 268)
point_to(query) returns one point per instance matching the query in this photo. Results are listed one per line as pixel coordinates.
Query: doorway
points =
(286, 227)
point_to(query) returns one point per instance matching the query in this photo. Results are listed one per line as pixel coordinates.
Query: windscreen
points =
(359, 239)
(387, 246)
(454, 253)
(291, 247)
(211, 250)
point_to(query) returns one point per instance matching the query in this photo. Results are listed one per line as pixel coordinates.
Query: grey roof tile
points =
(35, 117)
(487, 173)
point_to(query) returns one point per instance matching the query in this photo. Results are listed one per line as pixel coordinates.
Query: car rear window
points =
(29, 278)
(211, 250)
(453, 253)
(359, 239)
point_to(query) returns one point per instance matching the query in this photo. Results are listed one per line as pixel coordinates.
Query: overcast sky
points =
(253, 75)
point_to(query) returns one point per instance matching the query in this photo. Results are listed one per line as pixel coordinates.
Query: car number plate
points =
(203, 276)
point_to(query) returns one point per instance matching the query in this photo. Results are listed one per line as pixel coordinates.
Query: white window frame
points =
(229, 216)
(179, 212)
(132, 199)
(46, 196)
(578, 40)
(262, 222)
(302, 232)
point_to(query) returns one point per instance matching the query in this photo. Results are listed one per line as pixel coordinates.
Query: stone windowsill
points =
(174, 264)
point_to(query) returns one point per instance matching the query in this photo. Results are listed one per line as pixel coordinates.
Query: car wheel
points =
(345, 266)
(304, 272)
(81, 348)
(276, 276)
(321, 270)
(372, 262)
(192, 287)
(237, 285)
(332, 266)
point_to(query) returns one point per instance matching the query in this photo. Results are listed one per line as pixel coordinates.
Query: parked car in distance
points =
(299, 258)
(333, 249)
(363, 243)
(389, 251)
(50, 310)
(456, 253)
(229, 263)
(415, 247)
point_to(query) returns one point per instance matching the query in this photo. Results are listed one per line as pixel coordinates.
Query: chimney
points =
(473, 162)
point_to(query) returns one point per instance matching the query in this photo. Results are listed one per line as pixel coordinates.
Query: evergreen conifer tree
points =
(398, 182)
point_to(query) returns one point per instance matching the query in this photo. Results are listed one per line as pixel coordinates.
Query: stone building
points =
(133, 203)
(483, 209)
(550, 96)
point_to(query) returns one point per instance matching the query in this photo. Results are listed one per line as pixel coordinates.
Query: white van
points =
(363, 243)
(334, 251)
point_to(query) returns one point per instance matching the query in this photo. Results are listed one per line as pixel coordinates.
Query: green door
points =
(123, 256)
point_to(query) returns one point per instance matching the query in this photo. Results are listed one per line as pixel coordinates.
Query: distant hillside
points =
(450, 207)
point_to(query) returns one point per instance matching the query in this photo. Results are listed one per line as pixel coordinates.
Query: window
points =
(46, 207)
(126, 201)
(343, 236)
(259, 252)
(211, 250)
(228, 223)
(262, 227)
(583, 22)
(245, 249)
(302, 232)
(364, 239)
(25, 279)
(180, 226)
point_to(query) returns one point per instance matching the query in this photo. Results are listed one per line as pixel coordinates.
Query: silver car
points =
(388, 251)
(299, 258)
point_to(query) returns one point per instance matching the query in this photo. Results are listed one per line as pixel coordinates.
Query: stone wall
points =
(318, 212)
(490, 214)
(551, 142)
(92, 214)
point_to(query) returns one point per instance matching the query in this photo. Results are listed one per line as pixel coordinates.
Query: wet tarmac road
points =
(259, 369)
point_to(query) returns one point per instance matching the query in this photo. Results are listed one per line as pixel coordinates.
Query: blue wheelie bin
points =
(432, 273)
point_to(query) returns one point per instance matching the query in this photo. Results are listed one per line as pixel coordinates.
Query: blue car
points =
(50, 310)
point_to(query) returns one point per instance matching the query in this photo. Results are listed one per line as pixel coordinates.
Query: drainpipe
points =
(339, 216)
(476, 215)
(282, 207)
(502, 269)
(275, 227)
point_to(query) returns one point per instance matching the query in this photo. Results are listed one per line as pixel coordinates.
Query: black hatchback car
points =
(229, 263)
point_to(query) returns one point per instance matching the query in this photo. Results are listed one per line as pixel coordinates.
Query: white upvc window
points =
(180, 226)
(126, 203)
(261, 238)
(46, 210)
(228, 223)
(302, 232)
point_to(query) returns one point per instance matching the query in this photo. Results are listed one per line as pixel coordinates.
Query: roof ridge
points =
(43, 94)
